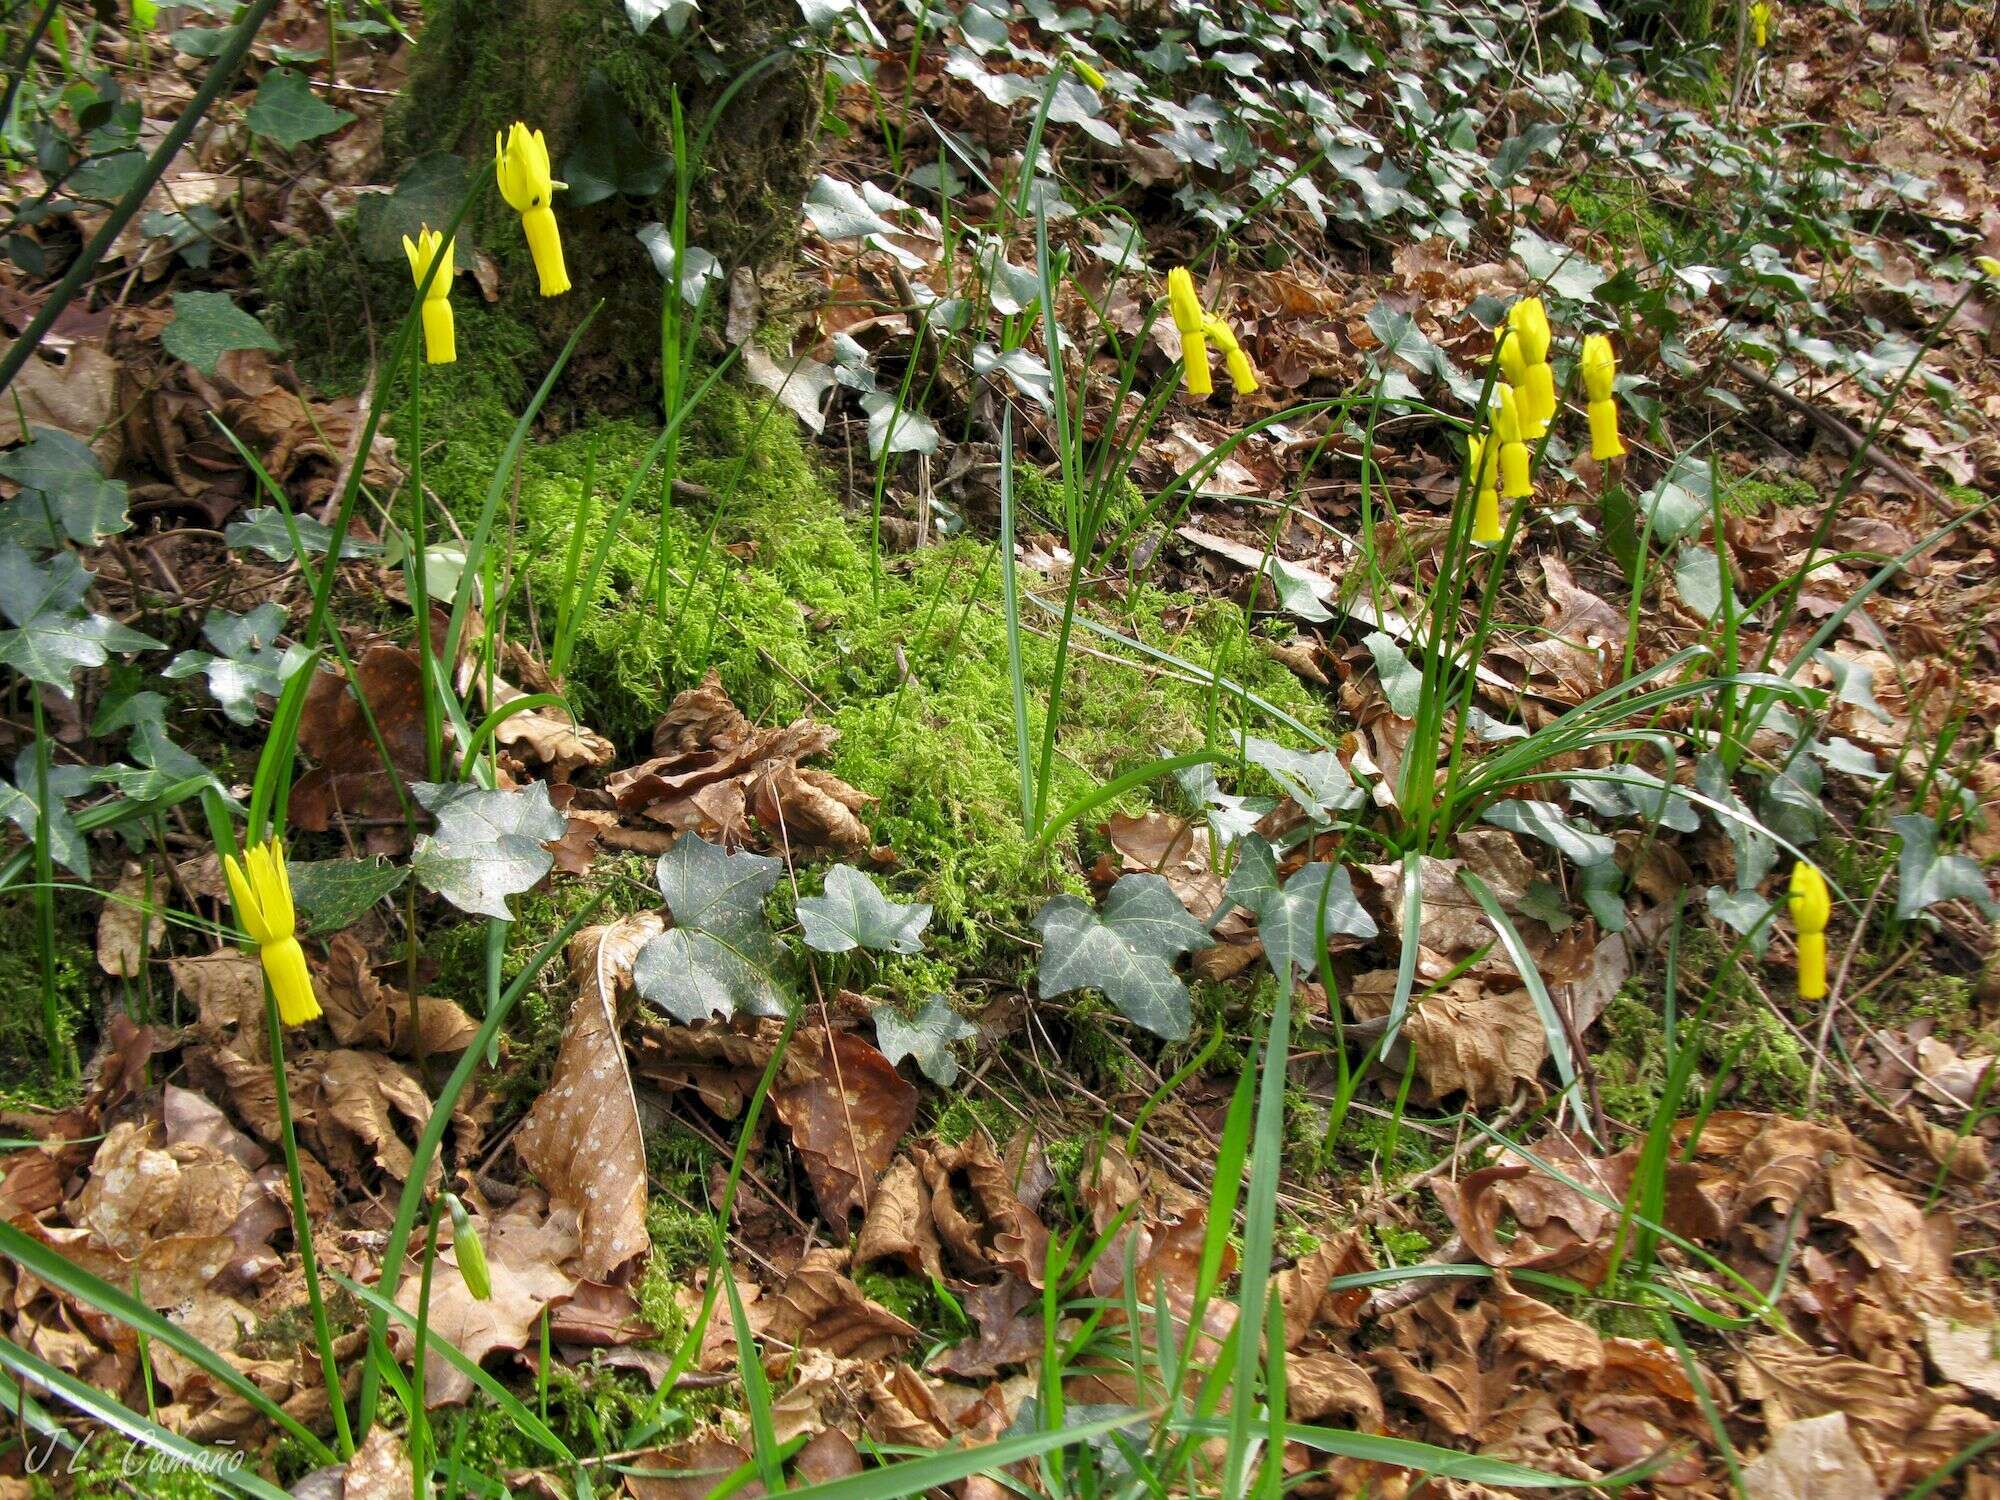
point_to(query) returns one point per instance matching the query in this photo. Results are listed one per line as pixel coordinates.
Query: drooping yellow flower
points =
(440, 331)
(1760, 25)
(1185, 307)
(521, 163)
(1600, 370)
(1989, 267)
(1528, 323)
(1810, 911)
(1241, 373)
(1516, 483)
(262, 891)
(1486, 528)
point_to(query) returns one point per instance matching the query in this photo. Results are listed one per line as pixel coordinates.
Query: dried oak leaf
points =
(362, 1011)
(582, 1138)
(350, 778)
(549, 738)
(227, 989)
(987, 1223)
(526, 1251)
(1302, 1289)
(819, 1306)
(845, 1120)
(1556, 1226)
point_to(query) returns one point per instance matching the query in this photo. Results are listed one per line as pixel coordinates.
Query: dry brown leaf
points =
(1555, 1225)
(360, 1097)
(364, 1012)
(1010, 1331)
(898, 1223)
(845, 1120)
(820, 1307)
(1170, 846)
(1966, 1354)
(131, 924)
(1301, 1290)
(1468, 1038)
(350, 778)
(690, 1471)
(549, 738)
(1813, 1458)
(1328, 1384)
(227, 989)
(583, 1138)
(380, 1469)
(977, 1207)
(1536, 1331)
(525, 1255)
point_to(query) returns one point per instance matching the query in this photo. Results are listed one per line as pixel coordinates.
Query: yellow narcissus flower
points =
(1241, 374)
(1760, 25)
(262, 891)
(1186, 309)
(1600, 370)
(1989, 267)
(1485, 496)
(440, 332)
(1528, 322)
(1810, 910)
(521, 163)
(1515, 480)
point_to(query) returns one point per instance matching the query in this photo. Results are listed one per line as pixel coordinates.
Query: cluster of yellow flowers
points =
(1197, 327)
(521, 165)
(1524, 404)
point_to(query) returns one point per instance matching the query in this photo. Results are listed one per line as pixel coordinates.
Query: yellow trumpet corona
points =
(1528, 322)
(1811, 909)
(1486, 528)
(1185, 307)
(1600, 370)
(1241, 373)
(262, 891)
(521, 164)
(1516, 483)
(440, 331)
(1760, 25)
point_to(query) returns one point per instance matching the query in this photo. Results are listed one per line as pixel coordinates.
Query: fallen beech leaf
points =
(1008, 1314)
(126, 929)
(1326, 1384)
(380, 1469)
(1171, 847)
(1468, 1038)
(898, 1223)
(1966, 1354)
(362, 1011)
(582, 1138)
(350, 778)
(550, 738)
(821, 1307)
(845, 1120)
(691, 1471)
(361, 1094)
(1813, 1458)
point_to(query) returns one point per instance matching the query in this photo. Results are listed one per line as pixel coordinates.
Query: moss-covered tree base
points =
(479, 65)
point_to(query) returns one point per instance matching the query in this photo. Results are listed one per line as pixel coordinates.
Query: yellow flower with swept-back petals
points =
(521, 163)
(1811, 909)
(440, 331)
(1528, 327)
(1760, 25)
(1241, 373)
(1185, 307)
(1486, 528)
(1600, 370)
(1516, 483)
(262, 891)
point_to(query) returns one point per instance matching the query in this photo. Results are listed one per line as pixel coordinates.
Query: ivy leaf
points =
(610, 156)
(1698, 580)
(676, 13)
(699, 269)
(927, 1036)
(18, 803)
(335, 893)
(1583, 847)
(247, 663)
(1566, 273)
(428, 192)
(1853, 682)
(855, 914)
(1679, 503)
(488, 845)
(1294, 588)
(1127, 952)
(1288, 915)
(263, 530)
(55, 637)
(1925, 877)
(1756, 853)
(1024, 370)
(1744, 912)
(59, 475)
(286, 110)
(1402, 682)
(1316, 780)
(718, 957)
(207, 325)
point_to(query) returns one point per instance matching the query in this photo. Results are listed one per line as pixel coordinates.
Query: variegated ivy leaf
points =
(699, 270)
(1698, 580)
(1296, 589)
(264, 530)
(1582, 847)
(841, 211)
(927, 1036)
(1565, 273)
(892, 429)
(1230, 816)
(1022, 367)
(1316, 779)
(719, 958)
(1126, 952)
(247, 661)
(488, 844)
(21, 805)
(1076, 103)
(1853, 682)
(1756, 852)
(55, 637)
(1925, 877)
(1744, 912)
(1402, 682)
(855, 914)
(1288, 915)
(675, 14)
(61, 483)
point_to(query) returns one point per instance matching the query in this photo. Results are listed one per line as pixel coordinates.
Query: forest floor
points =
(983, 873)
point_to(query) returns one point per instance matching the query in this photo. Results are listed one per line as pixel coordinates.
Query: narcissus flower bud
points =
(1811, 910)
(1186, 309)
(1086, 72)
(1988, 267)
(1486, 527)
(262, 892)
(468, 1251)
(521, 164)
(1528, 323)
(1600, 371)
(1516, 483)
(440, 331)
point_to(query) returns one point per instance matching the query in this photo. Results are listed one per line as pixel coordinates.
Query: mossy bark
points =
(479, 65)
